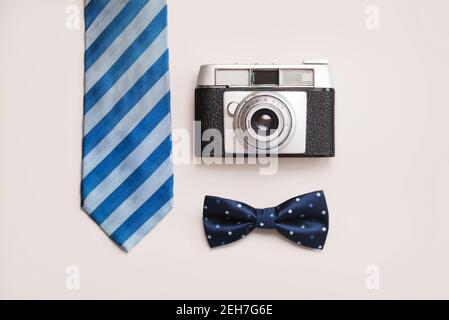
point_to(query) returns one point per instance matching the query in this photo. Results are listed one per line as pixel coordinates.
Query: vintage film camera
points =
(275, 110)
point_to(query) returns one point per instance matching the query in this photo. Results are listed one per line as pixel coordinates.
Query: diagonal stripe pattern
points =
(127, 178)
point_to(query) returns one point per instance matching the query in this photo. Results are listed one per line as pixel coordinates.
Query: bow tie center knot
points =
(265, 218)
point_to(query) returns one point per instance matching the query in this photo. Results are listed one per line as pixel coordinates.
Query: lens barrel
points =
(263, 121)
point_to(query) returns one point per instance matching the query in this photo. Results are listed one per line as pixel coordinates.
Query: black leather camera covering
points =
(320, 132)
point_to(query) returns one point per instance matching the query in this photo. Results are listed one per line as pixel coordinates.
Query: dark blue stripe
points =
(125, 104)
(115, 28)
(134, 181)
(126, 60)
(126, 146)
(145, 212)
(92, 11)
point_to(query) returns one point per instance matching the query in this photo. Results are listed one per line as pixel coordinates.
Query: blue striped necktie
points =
(127, 179)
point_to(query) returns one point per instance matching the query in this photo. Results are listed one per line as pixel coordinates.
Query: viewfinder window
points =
(266, 77)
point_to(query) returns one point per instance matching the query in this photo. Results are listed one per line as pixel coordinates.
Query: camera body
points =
(269, 110)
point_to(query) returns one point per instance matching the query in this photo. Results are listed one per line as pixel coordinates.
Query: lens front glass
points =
(264, 122)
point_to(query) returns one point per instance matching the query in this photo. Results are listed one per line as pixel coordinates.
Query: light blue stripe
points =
(111, 32)
(131, 98)
(138, 198)
(147, 226)
(122, 42)
(125, 83)
(126, 124)
(102, 21)
(133, 182)
(127, 59)
(145, 212)
(129, 165)
(128, 144)
(92, 10)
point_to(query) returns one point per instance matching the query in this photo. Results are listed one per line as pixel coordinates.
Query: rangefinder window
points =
(266, 77)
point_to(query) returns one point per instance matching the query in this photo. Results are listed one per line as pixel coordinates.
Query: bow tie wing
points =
(304, 219)
(226, 220)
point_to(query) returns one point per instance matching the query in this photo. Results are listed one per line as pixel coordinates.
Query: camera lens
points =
(264, 122)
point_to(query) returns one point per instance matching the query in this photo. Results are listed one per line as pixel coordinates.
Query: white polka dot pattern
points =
(302, 219)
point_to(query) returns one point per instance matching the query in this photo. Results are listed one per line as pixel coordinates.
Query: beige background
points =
(387, 187)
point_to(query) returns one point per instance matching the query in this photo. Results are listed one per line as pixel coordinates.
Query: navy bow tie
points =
(303, 219)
